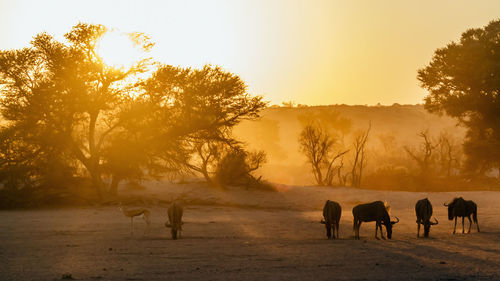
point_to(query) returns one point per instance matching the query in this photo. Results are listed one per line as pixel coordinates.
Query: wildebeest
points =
(175, 212)
(459, 207)
(331, 213)
(375, 211)
(423, 210)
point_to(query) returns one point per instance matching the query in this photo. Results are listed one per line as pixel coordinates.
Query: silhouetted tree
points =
(236, 168)
(317, 145)
(289, 104)
(61, 97)
(423, 155)
(65, 110)
(449, 153)
(359, 160)
(463, 81)
(201, 108)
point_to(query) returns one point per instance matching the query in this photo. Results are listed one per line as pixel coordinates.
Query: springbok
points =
(376, 211)
(175, 212)
(423, 210)
(331, 213)
(459, 207)
(132, 212)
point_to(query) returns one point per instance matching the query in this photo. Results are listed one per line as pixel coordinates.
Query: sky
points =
(313, 52)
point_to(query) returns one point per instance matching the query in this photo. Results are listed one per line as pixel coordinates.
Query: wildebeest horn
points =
(168, 225)
(433, 223)
(394, 222)
(446, 205)
(323, 222)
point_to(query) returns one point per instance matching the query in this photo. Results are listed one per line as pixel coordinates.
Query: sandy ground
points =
(227, 238)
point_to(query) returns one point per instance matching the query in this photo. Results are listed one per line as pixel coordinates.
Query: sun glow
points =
(118, 50)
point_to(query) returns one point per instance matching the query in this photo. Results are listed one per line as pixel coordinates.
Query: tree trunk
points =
(318, 175)
(113, 188)
(208, 179)
(97, 182)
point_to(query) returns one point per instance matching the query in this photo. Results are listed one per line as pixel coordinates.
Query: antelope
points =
(331, 213)
(459, 207)
(135, 212)
(423, 210)
(175, 212)
(376, 211)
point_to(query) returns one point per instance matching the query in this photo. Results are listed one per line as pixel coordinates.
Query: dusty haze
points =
(278, 130)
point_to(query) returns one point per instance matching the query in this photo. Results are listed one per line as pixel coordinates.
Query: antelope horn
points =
(394, 222)
(433, 223)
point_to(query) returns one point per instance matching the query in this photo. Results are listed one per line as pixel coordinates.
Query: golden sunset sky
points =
(312, 51)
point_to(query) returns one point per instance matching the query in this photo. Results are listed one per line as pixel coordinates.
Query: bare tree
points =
(342, 177)
(317, 145)
(359, 156)
(448, 153)
(333, 170)
(423, 156)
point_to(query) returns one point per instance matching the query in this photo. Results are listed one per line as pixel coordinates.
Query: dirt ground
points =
(281, 240)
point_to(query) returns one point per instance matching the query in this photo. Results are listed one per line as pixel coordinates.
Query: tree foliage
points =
(206, 103)
(463, 80)
(67, 113)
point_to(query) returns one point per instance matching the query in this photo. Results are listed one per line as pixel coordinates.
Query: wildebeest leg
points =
(355, 228)
(328, 230)
(381, 233)
(376, 228)
(337, 228)
(470, 224)
(477, 224)
(418, 229)
(455, 227)
(333, 230)
(463, 227)
(358, 226)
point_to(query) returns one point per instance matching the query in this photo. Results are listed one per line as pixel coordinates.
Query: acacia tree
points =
(205, 104)
(61, 98)
(463, 81)
(65, 108)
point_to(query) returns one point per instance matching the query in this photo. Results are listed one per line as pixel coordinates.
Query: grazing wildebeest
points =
(459, 207)
(423, 209)
(375, 211)
(331, 213)
(175, 212)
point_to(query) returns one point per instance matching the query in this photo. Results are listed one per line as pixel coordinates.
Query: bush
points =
(236, 167)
